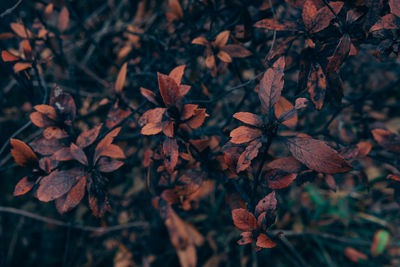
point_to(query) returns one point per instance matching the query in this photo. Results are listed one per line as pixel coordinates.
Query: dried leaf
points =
(317, 85)
(171, 153)
(119, 84)
(267, 204)
(247, 238)
(23, 154)
(23, 186)
(244, 134)
(278, 179)
(271, 85)
(244, 220)
(339, 56)
(249, 118)
(285, 112)
(264, 242)
(317, 155)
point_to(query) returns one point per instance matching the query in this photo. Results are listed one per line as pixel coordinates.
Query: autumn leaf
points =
(354, 255)
(317, 155)
(78, 154)
(23, 186)
(221, 39)
(317, 85)
(119, 84)
(387, 22)
(264, 242)
(169, 90)
(171, 153)
(86, 138)
(387, 139)
(273, 24)
(8, 57)
(244, 134)
(57, 184)
(250, 152)
(268, 204)
(63, 19)
(271, 85)
(73, 197)
(244, 220)
(278, 179)
(395, 7)
(177, 73)
(246, 238)
(23, 154)
(249, 118)
(341, 53)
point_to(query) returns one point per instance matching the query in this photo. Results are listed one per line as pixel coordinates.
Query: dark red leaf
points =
(244, 220)
(74, 196)
(169, 90)
(264, 242)
(78, 154)
(267, 204)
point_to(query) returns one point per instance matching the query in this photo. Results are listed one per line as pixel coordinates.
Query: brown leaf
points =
(200, 41)
(285, 112)
(339, 56)
(171, 153)
(98, 200)
(222, 39)
(249, 118)
(244, 134)
(277, 179)
(324, 16)
(395, 7)
(317, 155)
(317, 85)
(248, 155)
(309, 13)
(355, 152)
(235, 50)
(264, 242)
(65, 105)
(188, 111)
(176, 8)
(109, 165)
(273, 24)
(387, 139)
(287, 164)
(57, 184)
(152, 116)
(177, 73)
(54, 132)
(387, 22)
(168, 128)
(169, 90)
(301, 102)
(246, 238)
(119, 84)
(198, 118)
(225, 57)
(23, 186)
(210, 61)
(267, 204)
(149, 95)
(105, 142)
(112, 151)
(86, 138)
(40, 120)
(72, 199)
(63, 19)
(152, 128)
(78, 154)
(45, 146)
(244, 220)
(23, 154)
(64, 154)
(8, 57)
(271, 85)
(115, 116)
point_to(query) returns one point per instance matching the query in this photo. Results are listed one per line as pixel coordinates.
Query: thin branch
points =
(85, 228)
(11, 9)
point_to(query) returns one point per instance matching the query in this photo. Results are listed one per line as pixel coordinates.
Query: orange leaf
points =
(23, 186)
(54, 132)
(247, 238)
(63, 19)
(20, 30)
(387, 139)
(112, 151)
(200, 41)
(285, 112)
(395, 7)
(176, 8)
(177, 73)
(169, 90)
(7, 56)
(119, 84)
(222, 39)
(273, 24)
(278, 179)
(354, 255)
(20, 66)
(235, 50)
(22, 153)
(249, 118)
(264, 242)
(225, 57)
(72, 199)
(248, 155)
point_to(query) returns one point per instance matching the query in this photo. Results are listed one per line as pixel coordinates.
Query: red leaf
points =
(169, 90)
(247, 238)
(105, 142)
(271, 85)
(171, 153)
(188, 111)
(119, 84)
(149, 95)
(249, 118)
(22, 154)
(87, 137)
(317, 85)
(287, 164)
(57, 184)
(20, 66)
(21, 31)
(323, 17)
(78, 154)
(244, 220)
(63, 19)
(72, 199)
(317, 155)
(40, 120)
(198, 118)
(277, 179)
(108, 165)
(264, 242)
(23, 186)
(152, 128)
(112, 151)
(8, 57)
(267, 204)
(152, 116)
(244, 134)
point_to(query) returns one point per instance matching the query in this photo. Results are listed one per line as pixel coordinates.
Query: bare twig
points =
(11, 9)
